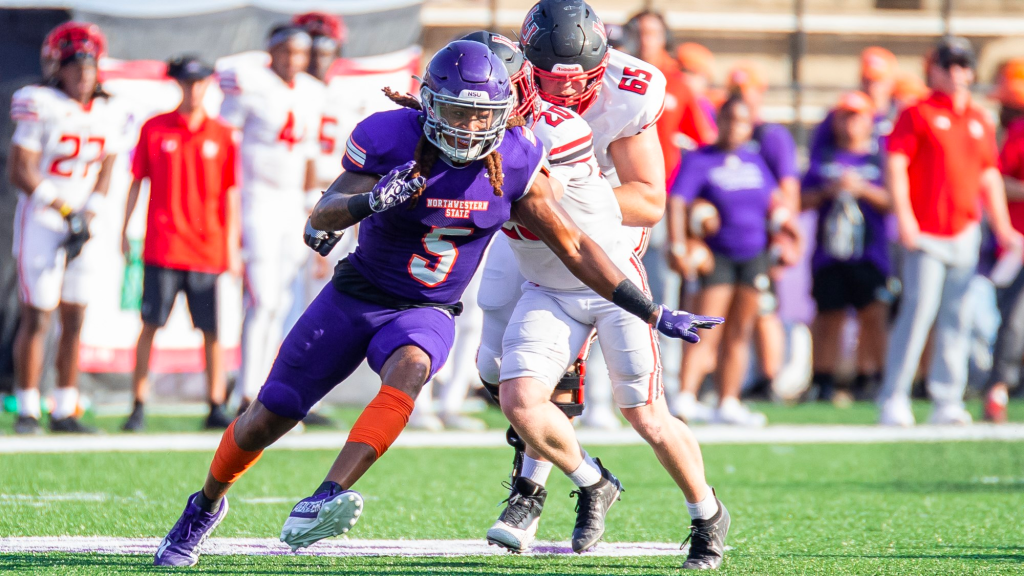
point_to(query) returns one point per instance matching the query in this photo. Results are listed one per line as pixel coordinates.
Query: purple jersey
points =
(428, 254)
(740, 186)
(778, 149)
(830, 166)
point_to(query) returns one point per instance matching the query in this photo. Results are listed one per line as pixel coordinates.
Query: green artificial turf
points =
(934, 508)
(810, 413)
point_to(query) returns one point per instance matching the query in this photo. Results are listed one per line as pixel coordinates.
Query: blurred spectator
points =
(729, 188)
(878, 74)
(191, 227)
(684, 125)
(777, 148)
(907, 91)
(1009, 349)
(940, 169)
(1009, 91)
(698, 66)
(850, 263)
(278, 110)
(61, 159)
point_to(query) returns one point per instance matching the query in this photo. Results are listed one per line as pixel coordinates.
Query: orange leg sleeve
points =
(230, 461)
(382, 420)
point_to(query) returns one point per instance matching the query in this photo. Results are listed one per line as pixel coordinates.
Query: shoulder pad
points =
(28, 103)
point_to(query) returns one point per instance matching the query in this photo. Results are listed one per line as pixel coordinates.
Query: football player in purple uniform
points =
(453, 173)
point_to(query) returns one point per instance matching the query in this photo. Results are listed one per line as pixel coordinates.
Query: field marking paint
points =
(332, 547)
(707, 435)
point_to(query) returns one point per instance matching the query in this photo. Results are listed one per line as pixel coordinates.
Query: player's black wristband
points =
(359, 206)
(631, 299)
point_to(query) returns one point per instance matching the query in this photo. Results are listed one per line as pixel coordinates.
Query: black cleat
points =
(26, 425)
(591, 508)
(218, 419)
(707, 540)
(516, 527)
(70, 425)
(137, 421)
(317, 419)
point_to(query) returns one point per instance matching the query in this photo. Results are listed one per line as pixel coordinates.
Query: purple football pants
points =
(334, 335)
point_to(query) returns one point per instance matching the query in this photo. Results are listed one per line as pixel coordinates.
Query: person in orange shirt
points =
(683, 125)
(941, 169)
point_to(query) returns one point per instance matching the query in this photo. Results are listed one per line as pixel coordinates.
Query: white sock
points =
(536, 470)
(28, 403)
(704, 509)
(65, 402)
(587, 474)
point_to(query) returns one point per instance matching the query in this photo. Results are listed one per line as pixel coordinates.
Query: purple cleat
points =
(330, 512)
(184, 543)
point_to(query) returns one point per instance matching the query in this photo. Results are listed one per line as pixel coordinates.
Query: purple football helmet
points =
(468, 98)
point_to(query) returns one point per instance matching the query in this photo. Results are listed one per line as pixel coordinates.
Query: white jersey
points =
(73, 139)
(631, 100)
(588, 199)
(280, 126)
(332, 134)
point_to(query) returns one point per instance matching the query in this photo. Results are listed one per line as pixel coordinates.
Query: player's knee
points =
(648, 423)
(407, 370)
(35, 322)
(520, 397)
(488, 364)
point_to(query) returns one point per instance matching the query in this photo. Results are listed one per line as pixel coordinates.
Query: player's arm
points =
(540, 212)
(1014, 188)
(345, 202)
(898, 183)
(995, 204)
(133, 200)
(24, 174)
(641, 169)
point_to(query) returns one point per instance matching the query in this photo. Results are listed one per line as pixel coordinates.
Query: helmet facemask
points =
(580, 101)
(465, 127)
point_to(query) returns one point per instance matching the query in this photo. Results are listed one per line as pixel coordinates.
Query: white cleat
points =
(321, 516)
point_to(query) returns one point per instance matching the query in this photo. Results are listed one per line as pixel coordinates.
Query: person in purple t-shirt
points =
(431, 184)
(850, 263)
(775, 144)
(731, 183)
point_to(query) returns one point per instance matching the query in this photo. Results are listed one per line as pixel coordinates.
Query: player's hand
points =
(78, 234)
(321, 241)
(395, 187)
(682, 324)
(126, 246)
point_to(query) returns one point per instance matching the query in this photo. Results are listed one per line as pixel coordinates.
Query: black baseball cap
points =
(188, 68)
(955, 51)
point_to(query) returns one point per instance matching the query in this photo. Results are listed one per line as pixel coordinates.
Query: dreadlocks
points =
(427, 154)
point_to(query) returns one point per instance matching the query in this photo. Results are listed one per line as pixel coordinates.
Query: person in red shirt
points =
(941, 168)
(1009, 348)
(191, 229)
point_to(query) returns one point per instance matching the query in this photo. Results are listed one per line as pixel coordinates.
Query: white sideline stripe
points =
(333, 547)
(707, 435)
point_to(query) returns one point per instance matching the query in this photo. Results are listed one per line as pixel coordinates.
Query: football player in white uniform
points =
(555, 318)
(61, 156)
(278, 110)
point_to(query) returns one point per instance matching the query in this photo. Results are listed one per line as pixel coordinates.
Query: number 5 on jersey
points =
(432, 275)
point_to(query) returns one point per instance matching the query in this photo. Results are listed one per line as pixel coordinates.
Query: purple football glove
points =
(395, 187)
(682, 324)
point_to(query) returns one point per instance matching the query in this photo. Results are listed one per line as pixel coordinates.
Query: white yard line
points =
(332, 547)
(707, 435)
